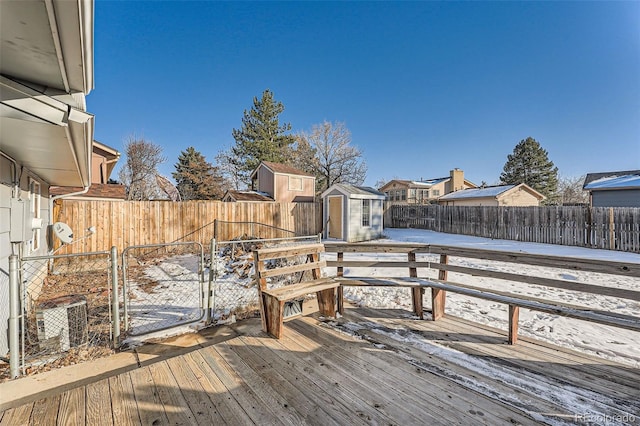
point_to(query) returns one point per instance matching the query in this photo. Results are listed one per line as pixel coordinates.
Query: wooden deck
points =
(370, 367)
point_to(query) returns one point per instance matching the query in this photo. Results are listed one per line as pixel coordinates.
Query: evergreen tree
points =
(196, 178)
(530, 164)
(262, 137)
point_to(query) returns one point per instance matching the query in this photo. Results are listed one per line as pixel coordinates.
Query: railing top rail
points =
(262, 240)
(628, 269)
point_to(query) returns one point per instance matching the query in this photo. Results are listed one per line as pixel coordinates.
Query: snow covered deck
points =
(374, 366)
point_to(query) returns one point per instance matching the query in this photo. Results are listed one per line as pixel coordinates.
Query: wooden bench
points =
(441, 285)
(272, 264)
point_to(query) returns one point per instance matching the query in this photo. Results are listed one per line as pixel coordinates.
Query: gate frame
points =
(203, 299)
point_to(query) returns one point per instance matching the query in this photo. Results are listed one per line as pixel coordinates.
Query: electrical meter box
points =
(20, 217)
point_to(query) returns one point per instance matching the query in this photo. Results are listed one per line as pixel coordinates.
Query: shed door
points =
(335, 217)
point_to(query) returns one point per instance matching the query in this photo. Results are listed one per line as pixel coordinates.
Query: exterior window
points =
(295, 183)
(366, 212)
(435, 193)
(412, 194)
(403, 194)
(34, 195)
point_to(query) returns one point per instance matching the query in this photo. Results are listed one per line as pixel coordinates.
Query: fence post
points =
(215, 228)
(14, 316)
(210, 288)
(115, 298)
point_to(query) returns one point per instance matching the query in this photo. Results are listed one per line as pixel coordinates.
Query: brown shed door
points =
(335, 217)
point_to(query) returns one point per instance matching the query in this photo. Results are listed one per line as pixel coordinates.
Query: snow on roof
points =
(615, 182)
(429, 182)
(490, 191)
(356, 191)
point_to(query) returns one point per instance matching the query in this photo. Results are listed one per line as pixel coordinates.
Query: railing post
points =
(340, 292)
(438, 296)
(416, 292)
(115, 298)
(14, 316)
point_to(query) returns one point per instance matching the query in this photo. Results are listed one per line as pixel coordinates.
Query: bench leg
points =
(340, 297)
(416, 295)
(327, 302)
(438, 297)
(514, 314)
(274, 315)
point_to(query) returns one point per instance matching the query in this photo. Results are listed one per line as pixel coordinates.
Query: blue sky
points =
(423, 87)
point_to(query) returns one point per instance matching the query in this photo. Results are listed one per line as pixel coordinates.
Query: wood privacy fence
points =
(594, 227)
(126, 223)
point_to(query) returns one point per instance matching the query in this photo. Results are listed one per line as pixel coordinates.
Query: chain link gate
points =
(164, 286)
(64, 311)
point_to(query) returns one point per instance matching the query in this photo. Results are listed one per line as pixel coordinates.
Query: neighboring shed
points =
(614, 189)
(503, 195)
(352, 213)
(283, 183)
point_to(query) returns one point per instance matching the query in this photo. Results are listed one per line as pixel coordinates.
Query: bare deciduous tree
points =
(139, 172)
(230, 169)
(337, 160)
(570, 191)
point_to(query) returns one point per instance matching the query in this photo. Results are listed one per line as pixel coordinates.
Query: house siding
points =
(518, 197)
(5, 241)
(616, 198)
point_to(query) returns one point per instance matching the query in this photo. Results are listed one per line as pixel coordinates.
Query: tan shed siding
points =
(481, 201)
(284, 193)
(265, 181)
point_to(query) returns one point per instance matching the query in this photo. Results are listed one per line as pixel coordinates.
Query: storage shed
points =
(352, 213)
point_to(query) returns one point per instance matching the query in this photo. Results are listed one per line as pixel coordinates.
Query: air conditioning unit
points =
(62, 323)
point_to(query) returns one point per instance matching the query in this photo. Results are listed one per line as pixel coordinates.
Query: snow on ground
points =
(178, 283)
(605, 341)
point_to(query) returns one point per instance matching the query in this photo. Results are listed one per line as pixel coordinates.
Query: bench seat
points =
(272, 299)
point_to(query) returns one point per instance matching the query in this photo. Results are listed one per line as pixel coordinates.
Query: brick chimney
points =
(457, 180)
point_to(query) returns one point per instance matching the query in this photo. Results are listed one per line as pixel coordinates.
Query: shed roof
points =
(354, 191)
(247, 196)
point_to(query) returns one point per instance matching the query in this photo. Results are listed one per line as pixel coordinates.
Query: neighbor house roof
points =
(488, 192)
(281, 168)
(96, 190)
(246, 196)
(353, 191)
(612, 180)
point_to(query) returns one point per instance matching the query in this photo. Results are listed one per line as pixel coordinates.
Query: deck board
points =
(371, 367)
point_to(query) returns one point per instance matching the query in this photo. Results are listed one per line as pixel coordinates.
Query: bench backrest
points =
(311, 262)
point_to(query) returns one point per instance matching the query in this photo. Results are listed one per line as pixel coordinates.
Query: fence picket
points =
(597, 227)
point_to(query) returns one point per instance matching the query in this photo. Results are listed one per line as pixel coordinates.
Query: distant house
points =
(352, 213)
(284, 184)
(503, 195)
(424, 191)
(614, 189)
(103, 161)
(238, 196)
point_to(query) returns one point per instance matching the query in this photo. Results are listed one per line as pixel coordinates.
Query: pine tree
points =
(196, 178)
(262, 137)
(530, 164)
